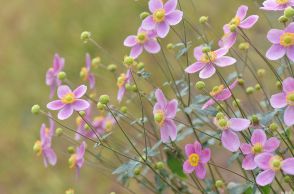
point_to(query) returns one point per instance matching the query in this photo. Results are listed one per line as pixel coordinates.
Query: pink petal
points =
(88, 61)
(189, 149)
(278, 100)
(228, 40)
(120, 93)
(271, 144)
(187, 168)
(288, 166)
(148, 23)
(258, 136)
(275, 52)
(237, 124)
(55, 105)
(130, 41)
(81, 150)
(91, 81)
(174, 17)
(246, 148)
(249, 22)
(80, 91)
(170, 6)
(224, 95)
(290, 28)
(248, 162)
(171, 109)
(205, 155)
(200, 171)
(224, 61)
(65, 112)
(50, 156)
(152, 46)
(198, 52)
(207, 71)
(289, 116)
(262, 160)
(168, 131)
(195, 67)
(136, 51)
(241, 12)
(207, 104)
(265, 177)
(197, 147)
(221, 52)
(80, 105)
(290, 53)
(154, 5)
(288, 85)
(230, 140)
(274, 36)
(162, 29)
(160, 97)
(63, 90)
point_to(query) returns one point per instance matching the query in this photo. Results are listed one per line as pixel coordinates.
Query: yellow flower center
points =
(142, 37)
(208, 57)
(287, 39)
(159, 117)
(70, 191)
(72, 161)
(79, 120)
(108, 125)
(68, 98)
(38, 147)
(235, 21)
(159, 15)
(217, 89)
(282, 2)
(290, 99)
(121, 80)
(276, 163)
(84, 73)
(194, 159)
(257, 148)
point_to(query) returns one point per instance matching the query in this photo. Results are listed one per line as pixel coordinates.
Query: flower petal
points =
(288, 166)
(174, 17)
(195, 67)
(162, 29)
(274, 36)
(168, 131)
(171, 109)
(120, 93)
(63, 90)
(290, 27)
(65, 112)
(262, 160)
(248, 162)
(242, 12)
(152, 46)
(200, 171)
(224, 61)
(230, 140)
(205, 155)
(290, 53)
(55, 105)
(80, 91)
(237, 124)
(50, 156)
(266, 177)
(136, 51)
(170, 6)
(246, 148)
(207, 104)
(278, 100)
(258, 136)
(249, 22)
(271, 144)
(276, 51)
(207, 71)
(289, 116)
(288, 85)
(160, 98)
(88, 61)
(221, 52)
(130, 41)
(187, 168)
(154, 5)
(198, 52)
(148, 23)
(189, 149)
(80, 105)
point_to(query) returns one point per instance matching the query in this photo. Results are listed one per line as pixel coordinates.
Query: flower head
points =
(283, 43)
(271, 164)
(69, 101)
(285, 99)
(205, 62)
(163, 16)
(86, 74)
(259, 144)
(229, 138)
(164, 112)
(143, 40)
(197, 159)
(52, 74)
(276, 5)
(76, 160)
(122, 80)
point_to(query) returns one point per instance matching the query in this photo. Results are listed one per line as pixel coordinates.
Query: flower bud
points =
(100, 106)
(261, 72)
(206, 49)
(70, 191)
(289, 12)
(70, 149)
(134, 88)
(137, 171)
(223, 123)
(128, 87)
(85, 36)
(37, 148)
(58, 132)
(144, 15)
(61, 75)
(255, 119)
(82, 113)
(112, 67)
(140, 66)
(287, 179)
(104, 99)
(200, 85)
(219, 115)
(96, 62)
(159, 165)
(249, 90)
(124, 109)
(257, 87)
(283, 19)
(244, 46)
(279, 85)
(203, 19)
(219, 184)
(273, 126)
(128, 60)
(236, 103)
(241, 81)
(170, 46)
(35, 109)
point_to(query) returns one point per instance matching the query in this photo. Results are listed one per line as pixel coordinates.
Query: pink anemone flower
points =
(277, 5)
(52, 74)
(122, 80)
(86, 74)
(76, 160)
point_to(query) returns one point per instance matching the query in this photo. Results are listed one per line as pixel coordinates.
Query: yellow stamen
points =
(84, 73)
(159, 15)
(194, 159)
(38, 147)
(235, 21)
(276, 162)
(282, 2)
(208, 57)
(142, 37)
(290, 98)
(159, 117)
(121, 80)
(217, 89)
(257, 148)
(72, 161)
(287, 39)
(68, 98)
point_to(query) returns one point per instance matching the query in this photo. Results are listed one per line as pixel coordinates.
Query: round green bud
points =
(257, 87)
(236, 103)
(35, 109)
(128, 60)
(128, 87)
(137, 171)
(82, 113)
(283, 19)
(140, 66)
(70, 191)
(223, 123)
(96, 61)
(200, 85)
(273, 126)
(112, 67)
(287, 179)
(70, 149)
(249, 90)
(104, 99)
(203, 19)
(85, 36)
(61, 75)
(124, 109)
(59, 132)
(261, 72)
(144, 15)
(289, 12)
(219, 184)
(170, 46)
(233, 28)
(100, 106)
(255, 119)
(206, 49)
(112, 193)
(159, 165)
(279, 85)
(244, 46)
(241, 81)
(219, 115)
(134, 88)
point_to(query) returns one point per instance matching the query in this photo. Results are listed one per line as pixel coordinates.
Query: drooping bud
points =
(85, 36)
(273, 126)
(82, 113)
(289, 12)
(70, 149)
(219, 184)
(58, 132)
(249, 90)
(100, 106)
(104, 99)
(283, 19)
(112, 67)
(200, 85)
(159, 165)
(255, 119)
(236, 102)
(244, 46)
(203, 19)
(140, 66)
(61, 75)
(144, 15)
(137, 171)
(261, 72)
(96, 62)
(241, 81)
(124, 109)
(170, 46)
(35, 109)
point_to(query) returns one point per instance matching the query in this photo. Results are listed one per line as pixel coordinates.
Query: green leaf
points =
(266, 189)
(236, 188)
(175, 164)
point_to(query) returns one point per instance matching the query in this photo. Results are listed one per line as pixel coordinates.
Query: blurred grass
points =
(31, 32)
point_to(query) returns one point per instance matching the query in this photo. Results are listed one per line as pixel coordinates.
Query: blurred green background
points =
(31, 32)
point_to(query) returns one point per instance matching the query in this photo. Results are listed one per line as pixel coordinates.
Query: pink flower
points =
(239, 21)
(52, 74)
(69, 101)
(229, 138)
(144, 40)
(197, 159)
(43, 146)
(76, 160)
(270, 164)
(205, 62)
(283, 43)
(164, 112)
(259, 144)
(163, 16)
(277, 5)
(219, 93)
(122, 80)
(285, 99)
(86, 74)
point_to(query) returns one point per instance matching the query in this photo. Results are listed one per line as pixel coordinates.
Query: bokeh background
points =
(30, 33)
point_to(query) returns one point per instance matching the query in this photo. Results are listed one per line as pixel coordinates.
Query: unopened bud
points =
(200, 85)
(170, 46)
(140, 66)
(124, 109)
(59, 132)
(255, 119)
(82, 113)
(236, 103)
(35, 109)
(279, 85)
(249, 90)
(241, 81)
(244, 46)
(70, 149)
(219, 184)
(159, 165)
(61, 75)
(100, 106)
(104, 99)
(261, 72)
(203, 19)
(85, 36)
(289, 12)
(137, 171)
(112, 67)
(257, 87)
(144, 15)
(283, 19)
(273, 126)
